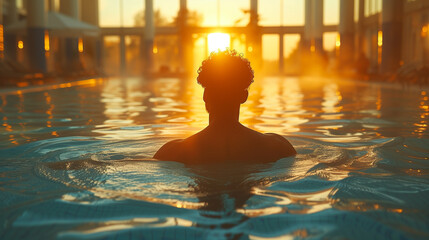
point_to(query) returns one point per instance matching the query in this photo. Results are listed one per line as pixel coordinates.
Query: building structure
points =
(390, 34)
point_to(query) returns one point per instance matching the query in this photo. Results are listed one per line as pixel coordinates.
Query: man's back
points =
(232, 144)
(226, 77)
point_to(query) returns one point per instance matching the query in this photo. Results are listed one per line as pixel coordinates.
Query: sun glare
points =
(218, 41)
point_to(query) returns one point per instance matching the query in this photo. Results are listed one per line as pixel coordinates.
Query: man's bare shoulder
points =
(281, 144)
(169, 151)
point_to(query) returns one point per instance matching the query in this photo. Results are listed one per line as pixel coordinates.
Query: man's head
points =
(226, 77)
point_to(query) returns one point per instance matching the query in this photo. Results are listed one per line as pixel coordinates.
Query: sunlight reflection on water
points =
(81, 155)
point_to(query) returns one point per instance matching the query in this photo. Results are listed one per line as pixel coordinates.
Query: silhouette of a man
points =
(226, 77)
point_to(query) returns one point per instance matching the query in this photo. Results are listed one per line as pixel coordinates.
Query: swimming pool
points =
(75, 163)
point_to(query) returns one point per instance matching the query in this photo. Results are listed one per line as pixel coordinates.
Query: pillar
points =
(346, 31)
(1, 31)
(149, 35)
(308, 24)
(10, 40)
(51, 5)
(313, 28)
(36, 26)
(361, 27)
(254, 41)
(70, 8)
(281, 56)
(122, 59)
(253, 12)
(70, 44)
(392, 35)
(318, 25)
(92, 45)
(185, 39)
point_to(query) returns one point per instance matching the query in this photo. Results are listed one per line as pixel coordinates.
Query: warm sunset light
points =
(380, 38)
(218, 41)
(338, 41)
(80, 45)
(1, 38)
(225, 119)
(47, 46)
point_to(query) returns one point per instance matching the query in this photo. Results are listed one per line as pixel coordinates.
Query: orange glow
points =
(218, 41)
(380, 38)
(312, 47)
(380, 44)
(20, 44)
(155, 49)
(80, 45)
(22, 84)
(250, 49)
(47, 46)
(1, 38)
(424, 32)
(338, 41)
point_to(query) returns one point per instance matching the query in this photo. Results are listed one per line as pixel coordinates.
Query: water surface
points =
(75, 163)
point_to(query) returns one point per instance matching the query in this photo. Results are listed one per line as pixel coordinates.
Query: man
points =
(226, 77)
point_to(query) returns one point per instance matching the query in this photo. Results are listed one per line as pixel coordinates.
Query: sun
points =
(218, 41)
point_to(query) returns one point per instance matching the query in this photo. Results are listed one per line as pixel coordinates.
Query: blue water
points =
(75, 163)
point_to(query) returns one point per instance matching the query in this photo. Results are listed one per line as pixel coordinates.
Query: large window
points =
(117, 13)
(281, 12)
(221, 12)
(331, 12)
(373, 7)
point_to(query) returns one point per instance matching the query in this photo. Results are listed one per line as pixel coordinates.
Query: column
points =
(51, 5)
(313, 28)
(317, 10)
(308, 24)
(346, 31)
(70, 44)
(361, 27)
(253, 12)
(92, 45)
(392, 35)
(36, 26)
(1, 31)
(254, 41)
(281, 56)
(149, 35)
(70, 8)
(123, 61)
(185, 46)
(10, 40)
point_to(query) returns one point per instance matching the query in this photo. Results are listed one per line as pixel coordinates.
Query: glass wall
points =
(117, 13)
(331, 12)
(270, 53)
(291, 53)
(133, 55)
(281, 12)
(111, 55)
(207, 13)
(372, 7)
(211, 12)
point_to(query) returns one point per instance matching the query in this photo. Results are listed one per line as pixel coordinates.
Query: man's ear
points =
(243, 97)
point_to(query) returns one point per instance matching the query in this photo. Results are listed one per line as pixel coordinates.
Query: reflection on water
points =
(80, 155)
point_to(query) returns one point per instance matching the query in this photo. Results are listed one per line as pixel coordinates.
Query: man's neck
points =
(224, 119)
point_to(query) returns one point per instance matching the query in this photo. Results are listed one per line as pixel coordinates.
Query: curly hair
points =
(225, 70)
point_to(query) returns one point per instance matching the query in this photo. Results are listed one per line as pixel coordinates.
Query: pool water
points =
(75, 162)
